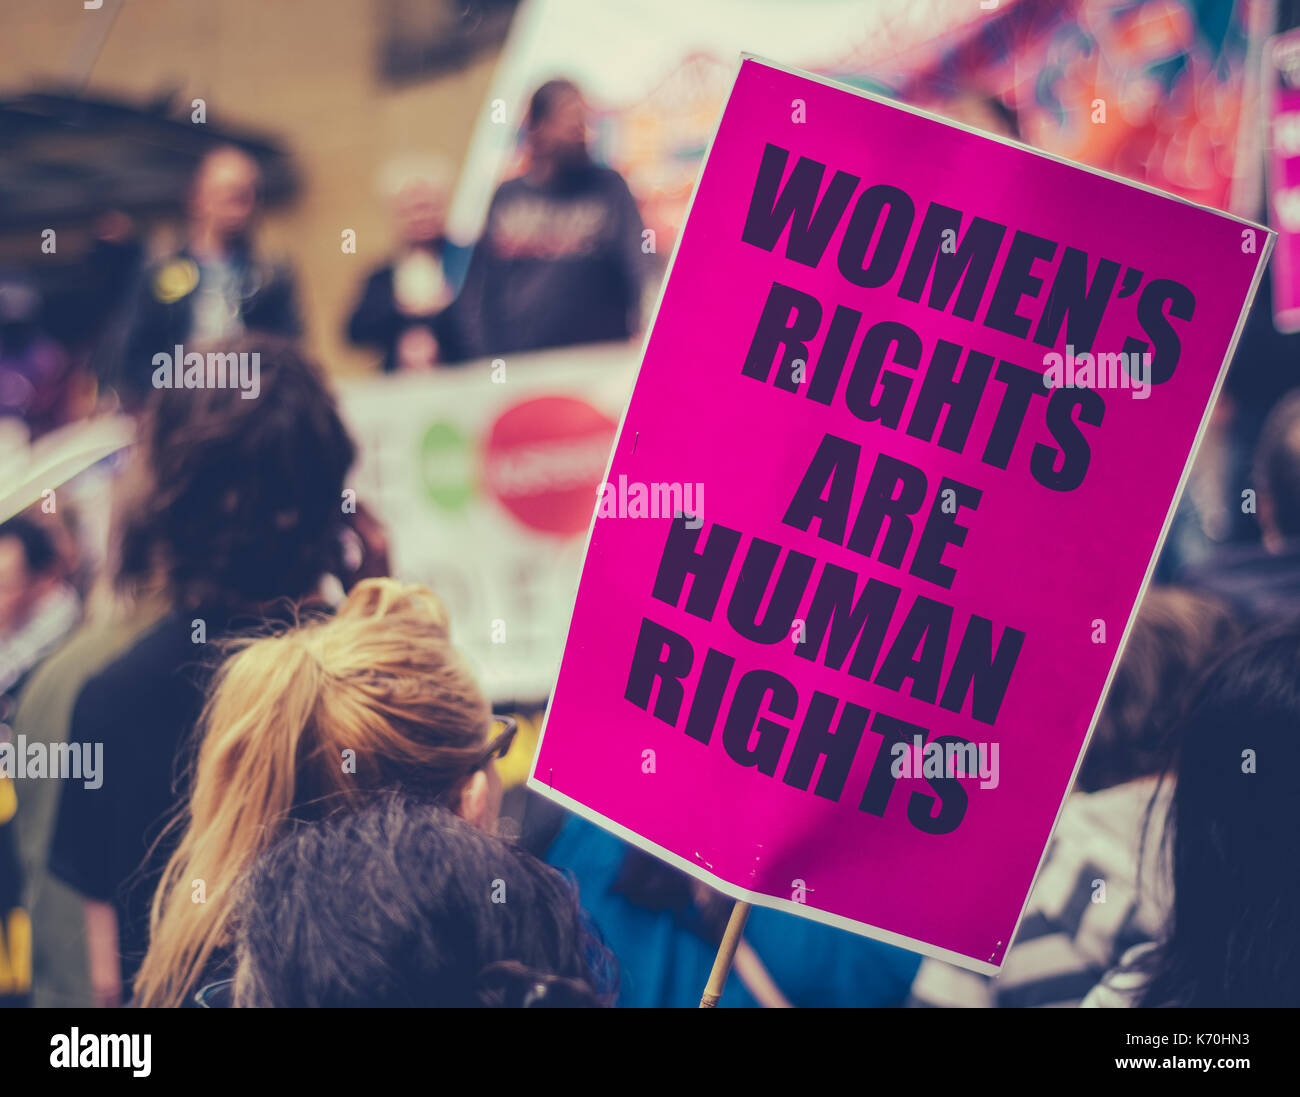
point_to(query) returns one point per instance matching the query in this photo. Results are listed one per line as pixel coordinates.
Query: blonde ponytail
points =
(379, 680)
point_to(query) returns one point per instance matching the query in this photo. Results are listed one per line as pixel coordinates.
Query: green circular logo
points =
(446, 466)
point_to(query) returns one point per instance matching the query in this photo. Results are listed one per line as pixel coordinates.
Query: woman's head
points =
(371, 699)
(1234, 833)
(403, 904)
(314, 721)
(239, 500)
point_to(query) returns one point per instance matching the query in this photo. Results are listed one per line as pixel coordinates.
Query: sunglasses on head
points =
(499, 744)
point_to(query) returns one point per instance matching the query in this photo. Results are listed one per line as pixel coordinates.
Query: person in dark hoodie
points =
(560, 261)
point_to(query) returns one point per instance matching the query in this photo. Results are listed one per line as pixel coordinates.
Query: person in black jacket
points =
(216, 287)
(403, 307)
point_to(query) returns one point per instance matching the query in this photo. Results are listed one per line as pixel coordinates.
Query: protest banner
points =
(936, 395)
(483, 477)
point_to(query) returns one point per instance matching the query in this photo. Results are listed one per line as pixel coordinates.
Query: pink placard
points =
(901, 516)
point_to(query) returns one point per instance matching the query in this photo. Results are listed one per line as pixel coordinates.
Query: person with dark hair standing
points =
(404, 904)
(1263, 580)
(1233, 838)
(560, 261)
(216, 287)
(239, 519)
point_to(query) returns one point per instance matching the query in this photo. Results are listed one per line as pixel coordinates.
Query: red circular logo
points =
(544, 460)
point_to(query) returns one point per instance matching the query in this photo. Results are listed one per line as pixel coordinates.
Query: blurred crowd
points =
(298, 802)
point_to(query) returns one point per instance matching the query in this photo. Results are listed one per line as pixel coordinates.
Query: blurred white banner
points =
(486, 478)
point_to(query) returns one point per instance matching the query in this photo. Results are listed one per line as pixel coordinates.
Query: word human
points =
(846, 623)
(215, 370)
(846, 620)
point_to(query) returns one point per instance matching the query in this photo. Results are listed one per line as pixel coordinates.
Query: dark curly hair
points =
(404, 904)
(245, 504)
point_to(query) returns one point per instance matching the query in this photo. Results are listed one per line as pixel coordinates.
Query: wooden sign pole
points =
(726, 954)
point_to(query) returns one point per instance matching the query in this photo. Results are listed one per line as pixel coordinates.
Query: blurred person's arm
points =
(114, 262)
(287, 311)
(102, 954)
(446, 330)
(141, 329)
(466, 313)
(635, 262)
(274, 307)
(374, 321)
(469, 312)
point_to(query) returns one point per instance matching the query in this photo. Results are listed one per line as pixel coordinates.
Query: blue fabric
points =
(662, 963)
